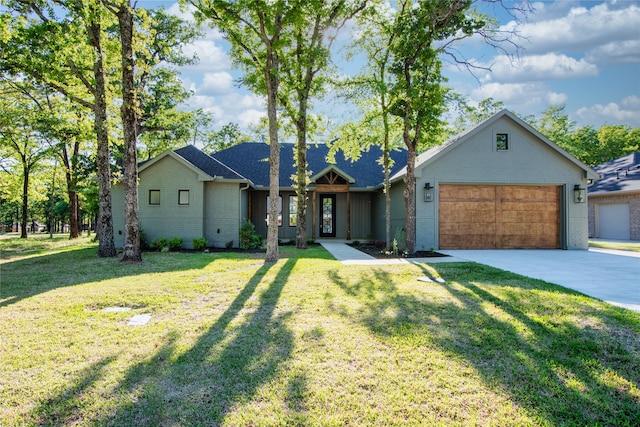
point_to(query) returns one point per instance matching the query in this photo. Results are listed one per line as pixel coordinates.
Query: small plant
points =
(394, 247)
(144, 245)
(175, 243)
(229, 244)
(158, 244)
(249, 239)
(199, 244)
(400, 238)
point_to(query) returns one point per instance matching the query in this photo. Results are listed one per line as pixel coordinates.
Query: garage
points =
(499, 217)
(613, 221)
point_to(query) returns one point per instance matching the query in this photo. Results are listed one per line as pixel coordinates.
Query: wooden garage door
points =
(499, 217)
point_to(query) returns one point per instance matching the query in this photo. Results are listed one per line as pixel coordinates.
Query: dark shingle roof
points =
(251, 159)
(619, 175)
(206, 163)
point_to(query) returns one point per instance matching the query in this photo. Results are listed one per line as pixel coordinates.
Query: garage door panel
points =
(468, 228)
(466, 193)
(529, 217)
(477, 241)
(498, 216)
(528, 193)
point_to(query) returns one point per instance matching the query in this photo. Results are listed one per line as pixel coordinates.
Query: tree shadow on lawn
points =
(227, 365)
(561, 373)
(75, 267)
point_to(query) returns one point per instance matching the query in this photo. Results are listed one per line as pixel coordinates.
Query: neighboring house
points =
(614, 199)
(499, 185)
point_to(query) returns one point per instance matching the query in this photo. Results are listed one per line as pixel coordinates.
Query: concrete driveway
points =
(612, 276)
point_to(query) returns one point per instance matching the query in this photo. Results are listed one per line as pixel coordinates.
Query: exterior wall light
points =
(428, 192)
(579, 194)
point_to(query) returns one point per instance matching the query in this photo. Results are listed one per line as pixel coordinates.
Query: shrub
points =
(199, 244)
(249, 239)
(144, 245)
(175, 243)
(158, 244)
(401, 238)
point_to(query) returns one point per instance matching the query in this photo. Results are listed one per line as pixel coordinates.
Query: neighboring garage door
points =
(499, 217)
(613, 222)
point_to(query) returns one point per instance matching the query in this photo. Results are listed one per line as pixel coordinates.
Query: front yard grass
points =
(628, 245)
(306, 341)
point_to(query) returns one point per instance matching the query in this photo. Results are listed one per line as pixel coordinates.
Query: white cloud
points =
(626, 112)
(250, 118)
(212, 56)
(550, 66)
(524, 98)
(216, 83)
(627, 51)
(581, 29)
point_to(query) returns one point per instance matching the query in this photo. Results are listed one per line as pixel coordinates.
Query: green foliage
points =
(587, 144)
(158, 244)
(199, 244)
(175, 243)
(226, 137)
(249, 239)
(400, 237)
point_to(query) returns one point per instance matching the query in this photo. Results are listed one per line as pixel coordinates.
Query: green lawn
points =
(306, 341)
(628, 245)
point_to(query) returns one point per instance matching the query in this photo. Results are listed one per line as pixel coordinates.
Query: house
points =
(614, 199)
(500, 184)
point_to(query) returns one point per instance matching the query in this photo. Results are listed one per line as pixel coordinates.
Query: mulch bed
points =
(376, 252)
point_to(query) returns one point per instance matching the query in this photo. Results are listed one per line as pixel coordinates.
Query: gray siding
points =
(223, 214)
(169, 219)
(528, 161)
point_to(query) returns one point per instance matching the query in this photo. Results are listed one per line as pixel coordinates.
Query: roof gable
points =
(434, 153)
(206, 167)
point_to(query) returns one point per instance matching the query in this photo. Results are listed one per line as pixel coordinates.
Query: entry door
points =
(327, 215)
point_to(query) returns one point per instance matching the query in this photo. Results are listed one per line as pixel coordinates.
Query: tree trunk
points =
(104, 228)
(74, 228)
(410, 200)
(131, 250)
(25, 200)
(272, 80)
(301, 189)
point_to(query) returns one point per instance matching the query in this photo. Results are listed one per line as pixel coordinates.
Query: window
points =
(279, 211)
(293, 211)
(154, 197)
(183, 197)
(502, 141)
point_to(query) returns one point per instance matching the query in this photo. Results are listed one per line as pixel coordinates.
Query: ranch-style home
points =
(500, 184)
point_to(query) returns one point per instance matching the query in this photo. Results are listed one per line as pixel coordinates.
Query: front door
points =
(327, 215)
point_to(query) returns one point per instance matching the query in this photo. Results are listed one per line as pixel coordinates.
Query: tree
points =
(307, 59)
(67, 55)
(256, 31)
(371, 90)
(418, 92)
(22, 145)
(228, 136)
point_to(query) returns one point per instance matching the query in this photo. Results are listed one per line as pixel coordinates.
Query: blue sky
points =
(582, 54)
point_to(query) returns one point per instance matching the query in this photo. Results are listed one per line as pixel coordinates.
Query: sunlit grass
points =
(618, 245)
(306, 341)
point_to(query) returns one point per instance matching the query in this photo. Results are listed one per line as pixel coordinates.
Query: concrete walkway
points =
(612, 276)
(350, 256)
